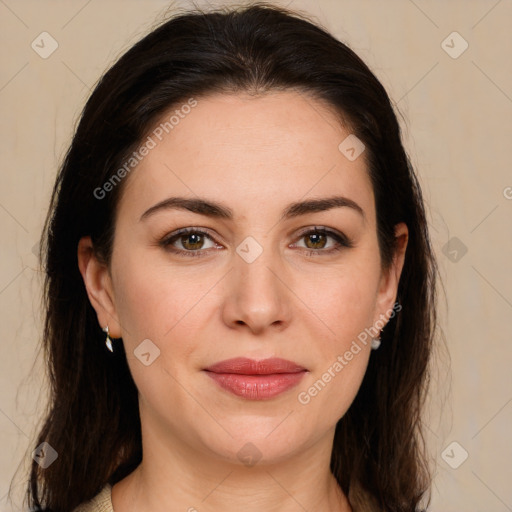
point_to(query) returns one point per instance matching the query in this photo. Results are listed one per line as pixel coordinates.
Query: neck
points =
(172, 478)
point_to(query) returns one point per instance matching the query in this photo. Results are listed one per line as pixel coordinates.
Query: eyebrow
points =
(217, 210)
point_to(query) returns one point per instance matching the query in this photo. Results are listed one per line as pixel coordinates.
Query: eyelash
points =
(342, 241)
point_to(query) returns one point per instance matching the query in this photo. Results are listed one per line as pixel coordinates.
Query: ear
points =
(98, 284)
(388, 287)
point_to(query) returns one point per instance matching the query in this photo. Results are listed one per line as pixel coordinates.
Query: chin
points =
(264, 442)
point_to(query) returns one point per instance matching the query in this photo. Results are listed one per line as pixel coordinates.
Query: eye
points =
(317, 240)
(191, 240)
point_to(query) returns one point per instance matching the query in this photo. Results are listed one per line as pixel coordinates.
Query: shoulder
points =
(102, 502)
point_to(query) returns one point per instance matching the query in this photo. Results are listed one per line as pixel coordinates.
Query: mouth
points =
(256, 380)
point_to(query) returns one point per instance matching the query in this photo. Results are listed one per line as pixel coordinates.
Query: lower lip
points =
(257, 387)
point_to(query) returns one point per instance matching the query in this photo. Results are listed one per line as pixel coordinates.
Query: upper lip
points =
(246, 366)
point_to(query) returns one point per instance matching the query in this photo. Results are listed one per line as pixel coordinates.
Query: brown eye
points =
(192, 241)
(318, 240)
(188, 242)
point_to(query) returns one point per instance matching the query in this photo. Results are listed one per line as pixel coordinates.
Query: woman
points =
(235, 230)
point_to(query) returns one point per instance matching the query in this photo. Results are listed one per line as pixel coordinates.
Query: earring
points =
(376, 343)
(108, 341)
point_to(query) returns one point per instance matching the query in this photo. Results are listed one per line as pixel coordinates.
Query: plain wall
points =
(457, 128)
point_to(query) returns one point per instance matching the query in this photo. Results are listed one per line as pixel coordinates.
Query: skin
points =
(255, 155)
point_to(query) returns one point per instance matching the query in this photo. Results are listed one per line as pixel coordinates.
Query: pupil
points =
(317, 238)
(192, 236)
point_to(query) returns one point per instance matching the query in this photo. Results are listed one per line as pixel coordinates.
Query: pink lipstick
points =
(256, 380)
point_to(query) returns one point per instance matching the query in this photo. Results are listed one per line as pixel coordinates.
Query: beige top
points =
(102, 502)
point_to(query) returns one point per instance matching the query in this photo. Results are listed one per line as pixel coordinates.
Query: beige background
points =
(457, 128)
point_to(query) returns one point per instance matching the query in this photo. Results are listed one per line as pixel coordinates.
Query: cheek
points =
(152, 299)
(346, 301)
(167, 306)
(154, 305)
(341, 357)
(346, 306)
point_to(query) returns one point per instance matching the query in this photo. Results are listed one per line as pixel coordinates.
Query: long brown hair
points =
(93, 423)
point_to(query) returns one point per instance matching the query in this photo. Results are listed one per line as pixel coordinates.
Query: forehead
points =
(241, 149)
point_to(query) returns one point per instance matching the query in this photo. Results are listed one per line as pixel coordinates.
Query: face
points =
(253, 277)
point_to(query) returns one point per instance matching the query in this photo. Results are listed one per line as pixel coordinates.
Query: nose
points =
(257, 297)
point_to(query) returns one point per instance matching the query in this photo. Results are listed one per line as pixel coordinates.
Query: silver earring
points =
(376, 343)
(108, 341)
